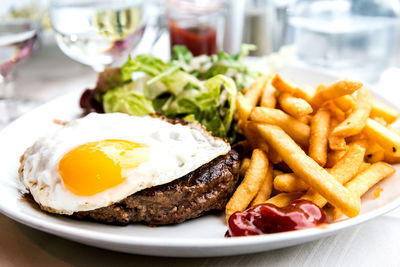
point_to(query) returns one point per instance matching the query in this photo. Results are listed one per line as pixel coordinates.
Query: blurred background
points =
(352, 38)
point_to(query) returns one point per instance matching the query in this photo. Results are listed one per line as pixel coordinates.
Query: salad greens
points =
(202, 88)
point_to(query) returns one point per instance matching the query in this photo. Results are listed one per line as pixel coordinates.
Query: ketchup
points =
(201, 39)
(268, 218)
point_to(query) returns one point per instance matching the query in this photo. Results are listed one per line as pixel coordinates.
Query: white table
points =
(375, 243)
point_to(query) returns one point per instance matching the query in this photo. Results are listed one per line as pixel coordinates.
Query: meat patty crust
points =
(204, 189)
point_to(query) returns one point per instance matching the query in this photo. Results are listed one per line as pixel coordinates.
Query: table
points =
(370, 244)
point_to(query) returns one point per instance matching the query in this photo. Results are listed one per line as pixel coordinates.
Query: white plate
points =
(195, 238)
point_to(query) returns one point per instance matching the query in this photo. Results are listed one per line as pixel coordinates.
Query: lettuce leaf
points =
(127, 101)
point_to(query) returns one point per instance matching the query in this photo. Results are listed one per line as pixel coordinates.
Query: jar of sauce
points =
(197, 24)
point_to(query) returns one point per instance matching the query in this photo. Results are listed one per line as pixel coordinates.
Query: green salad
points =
(202, 88)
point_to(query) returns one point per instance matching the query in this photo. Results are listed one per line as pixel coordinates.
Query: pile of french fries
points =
(328, 144)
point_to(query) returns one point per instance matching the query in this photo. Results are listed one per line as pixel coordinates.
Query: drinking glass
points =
(98, 33)
(360, 38)
(17, 41)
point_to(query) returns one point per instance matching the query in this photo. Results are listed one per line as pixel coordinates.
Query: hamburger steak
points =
(204, 189)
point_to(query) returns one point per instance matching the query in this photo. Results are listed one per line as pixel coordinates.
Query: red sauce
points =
(268, 218)
(199, 40)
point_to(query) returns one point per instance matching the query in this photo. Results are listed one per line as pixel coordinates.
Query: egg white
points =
(176, 150)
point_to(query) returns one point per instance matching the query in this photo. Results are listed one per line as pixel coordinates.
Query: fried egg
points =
(101, 159)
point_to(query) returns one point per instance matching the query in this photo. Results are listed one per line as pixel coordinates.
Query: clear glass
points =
(343, 35)
(196, 24)
(98, 33)
(17, 41)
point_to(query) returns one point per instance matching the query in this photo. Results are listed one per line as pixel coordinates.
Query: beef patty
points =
(204, 189)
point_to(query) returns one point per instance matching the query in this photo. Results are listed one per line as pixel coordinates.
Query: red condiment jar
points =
(197, 24)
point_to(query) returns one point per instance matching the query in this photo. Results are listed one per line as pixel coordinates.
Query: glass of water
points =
(17, 41)
(358, 38)
(97, 33)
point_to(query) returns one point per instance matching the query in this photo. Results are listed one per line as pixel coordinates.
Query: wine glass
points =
(98, 33)
(17, 41)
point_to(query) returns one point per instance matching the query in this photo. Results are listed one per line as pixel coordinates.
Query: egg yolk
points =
(94, 167)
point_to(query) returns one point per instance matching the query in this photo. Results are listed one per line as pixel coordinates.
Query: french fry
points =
(389, 158)
(286, 86)
(318, 148)
(363, 167)
(283, 199)
(336, 112)
(277, 172)
(268, 96)
(306, 168)
(250, 185)
(335, 90)
(244, 165)
(356, 121)
(368, 178)
(343, 171)
(336, 142)
(289, 182)
(333, 157)
(345, 102)
(273, 156)
(386, 138)
(381, 110)
(266, 188)
(380, 120)
(305, 119)
(255, 140)
(305, 92)
(253, 93)
(374, 152)
(243, 107)
(300, 132)
(283, 85)
(294, 106)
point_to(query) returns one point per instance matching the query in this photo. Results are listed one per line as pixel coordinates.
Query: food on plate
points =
(253, 179)
(295, 106)
(318, 149)
(201, 88)
(267, 219)
(333, 154)
(312, 173)
(117, 168)
(265, 189)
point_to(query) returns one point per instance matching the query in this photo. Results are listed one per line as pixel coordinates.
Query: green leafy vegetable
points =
(202, 88)
(127, 101)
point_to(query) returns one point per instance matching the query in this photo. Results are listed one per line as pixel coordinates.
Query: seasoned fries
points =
(294, 106)
(266, 188)
(368, 178)
(283, 199)
(244, 166)
(386, 138)
(355, 123)
(283, 85)
(313, 174)
(253, 179)
(335, 90)
(243, 107)
(319, 136)
(343, 171)
(345, 102)
(289, 182)
(253, 93)
(381, 110)
(268, 96)
(301, 131)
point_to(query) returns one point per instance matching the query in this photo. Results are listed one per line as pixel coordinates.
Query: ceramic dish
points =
(202, 237)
